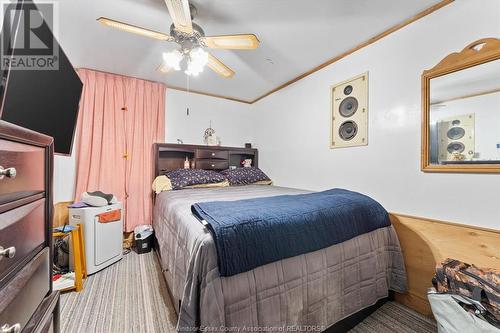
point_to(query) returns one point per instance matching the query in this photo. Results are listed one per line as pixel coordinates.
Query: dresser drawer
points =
(22, 230)
(26, 170)
(212, 164)
(46, 317)
(212, 154)
(20, 298)
(48, 326)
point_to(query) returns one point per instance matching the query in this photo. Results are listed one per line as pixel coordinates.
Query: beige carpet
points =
(394, 317)
(130, 296)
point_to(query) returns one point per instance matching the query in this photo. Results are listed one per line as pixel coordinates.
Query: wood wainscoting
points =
(427, 242)
(61, 213)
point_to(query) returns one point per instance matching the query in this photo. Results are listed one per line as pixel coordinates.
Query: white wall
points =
(291, 127)
(231, 121)
(64, 176)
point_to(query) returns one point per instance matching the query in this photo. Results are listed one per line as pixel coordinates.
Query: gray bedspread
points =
(314, 289)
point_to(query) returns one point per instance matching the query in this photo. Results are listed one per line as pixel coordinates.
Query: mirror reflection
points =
(465, 116)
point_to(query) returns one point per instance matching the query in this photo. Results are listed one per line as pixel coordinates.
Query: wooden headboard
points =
(169, 156)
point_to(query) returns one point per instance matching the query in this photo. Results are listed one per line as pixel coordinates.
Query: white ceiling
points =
(295, 36)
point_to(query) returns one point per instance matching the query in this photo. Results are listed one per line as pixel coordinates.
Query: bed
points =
(311, 291)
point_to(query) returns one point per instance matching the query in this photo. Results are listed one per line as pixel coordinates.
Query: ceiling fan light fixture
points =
(192, 70)
(191, 39)
(173, 59)
(197, 61)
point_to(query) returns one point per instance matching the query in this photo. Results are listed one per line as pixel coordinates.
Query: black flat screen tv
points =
(40, 90)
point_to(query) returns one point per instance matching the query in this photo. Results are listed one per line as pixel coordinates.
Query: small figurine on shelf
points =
(246, 163)
(210, 138)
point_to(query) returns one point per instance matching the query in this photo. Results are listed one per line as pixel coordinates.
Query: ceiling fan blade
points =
(236, 42)
(135, 29)
(180, 14)
(218, 67)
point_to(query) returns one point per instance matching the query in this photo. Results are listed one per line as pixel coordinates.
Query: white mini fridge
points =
(103, 241)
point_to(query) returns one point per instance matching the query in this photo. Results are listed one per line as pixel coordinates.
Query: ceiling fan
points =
(192, 41)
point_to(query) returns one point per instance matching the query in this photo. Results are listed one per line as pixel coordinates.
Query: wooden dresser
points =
(27, 302)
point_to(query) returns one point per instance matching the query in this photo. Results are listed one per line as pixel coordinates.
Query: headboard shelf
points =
(170, 156)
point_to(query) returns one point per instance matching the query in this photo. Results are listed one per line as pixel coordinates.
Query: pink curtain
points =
(120, 118)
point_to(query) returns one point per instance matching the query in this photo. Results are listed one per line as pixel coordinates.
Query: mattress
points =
(313, 289)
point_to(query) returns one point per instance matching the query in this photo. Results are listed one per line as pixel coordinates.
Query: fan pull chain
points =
(187, 109)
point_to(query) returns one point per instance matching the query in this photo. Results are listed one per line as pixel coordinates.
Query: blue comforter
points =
(253, 232)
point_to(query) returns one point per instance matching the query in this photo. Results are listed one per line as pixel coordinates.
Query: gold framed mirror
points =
(461, 111)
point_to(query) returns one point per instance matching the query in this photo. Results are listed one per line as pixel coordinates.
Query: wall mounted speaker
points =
(349, 112)
(456, 137)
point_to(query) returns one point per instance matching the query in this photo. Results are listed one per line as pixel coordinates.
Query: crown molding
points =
(209, 94)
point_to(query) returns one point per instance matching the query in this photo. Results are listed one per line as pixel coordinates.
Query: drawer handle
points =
(213, 154)
(213, 165)
(9, 252)
(9, 172)
(16, 328)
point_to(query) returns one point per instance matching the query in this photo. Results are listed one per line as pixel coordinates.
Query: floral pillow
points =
(189, 178)
(246, 176)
